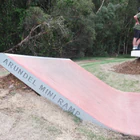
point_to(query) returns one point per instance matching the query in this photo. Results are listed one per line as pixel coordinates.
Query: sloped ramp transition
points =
(75, 90)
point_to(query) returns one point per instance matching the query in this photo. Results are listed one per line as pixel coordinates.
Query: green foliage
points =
(34, 16)
(73, 28)
(106, 29)
(10, 26)
(113, 27)
(79, 18)
(56, 33)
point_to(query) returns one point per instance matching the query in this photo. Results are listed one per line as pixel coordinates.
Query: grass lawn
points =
(102, 68)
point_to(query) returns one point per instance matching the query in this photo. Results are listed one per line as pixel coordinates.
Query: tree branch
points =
(29, 37)
(100, 7)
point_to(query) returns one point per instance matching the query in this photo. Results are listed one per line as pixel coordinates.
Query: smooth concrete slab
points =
(76, 90)
(135, 53)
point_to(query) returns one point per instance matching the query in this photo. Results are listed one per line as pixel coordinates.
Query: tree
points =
(10, 24)
(114, 27)
(67, 28)
(39, 34)
(79, 19)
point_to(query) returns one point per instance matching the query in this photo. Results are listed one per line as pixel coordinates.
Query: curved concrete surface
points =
(109, 107)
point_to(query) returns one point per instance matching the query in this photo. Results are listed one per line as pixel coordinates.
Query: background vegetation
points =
(67, 28)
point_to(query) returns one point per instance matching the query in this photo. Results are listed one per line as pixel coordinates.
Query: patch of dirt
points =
(129, 67)
(3, 71)
(11, 82)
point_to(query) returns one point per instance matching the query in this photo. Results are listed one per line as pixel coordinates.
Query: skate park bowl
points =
(76, 90)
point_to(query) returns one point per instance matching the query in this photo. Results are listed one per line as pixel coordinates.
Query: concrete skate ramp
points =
(75, 90)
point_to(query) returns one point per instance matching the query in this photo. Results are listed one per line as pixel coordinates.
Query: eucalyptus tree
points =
(40, 31)
(114, 26)
(79, 19)
(11, 16)
(67, 28)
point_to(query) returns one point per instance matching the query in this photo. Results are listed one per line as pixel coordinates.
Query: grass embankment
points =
(103, 69)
